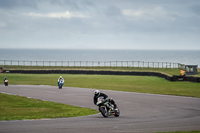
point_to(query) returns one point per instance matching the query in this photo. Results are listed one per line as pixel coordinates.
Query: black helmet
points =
(96, 93)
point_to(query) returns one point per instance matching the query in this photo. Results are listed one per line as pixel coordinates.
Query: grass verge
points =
(17, 108)
(142, 84)
(169, 71)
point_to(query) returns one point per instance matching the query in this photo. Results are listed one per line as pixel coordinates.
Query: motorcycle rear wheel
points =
(117, 112)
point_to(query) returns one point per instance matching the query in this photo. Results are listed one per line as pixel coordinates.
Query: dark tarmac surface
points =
(140, 113)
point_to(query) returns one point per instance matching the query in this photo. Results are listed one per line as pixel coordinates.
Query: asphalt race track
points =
(140, 113)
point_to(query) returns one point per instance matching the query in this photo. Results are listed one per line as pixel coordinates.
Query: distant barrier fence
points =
(139, 64)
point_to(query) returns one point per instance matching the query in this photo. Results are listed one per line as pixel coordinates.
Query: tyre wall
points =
(157, 74)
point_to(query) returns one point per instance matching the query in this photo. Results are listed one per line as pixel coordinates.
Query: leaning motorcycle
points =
(106, 108)
(6, 82)
(60, 84)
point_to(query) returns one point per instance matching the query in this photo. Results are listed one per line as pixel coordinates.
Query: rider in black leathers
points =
(5, 81)
(98, 94)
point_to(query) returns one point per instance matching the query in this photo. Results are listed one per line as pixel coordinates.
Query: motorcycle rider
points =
(5, 81)
(98, 94)
(61, 79)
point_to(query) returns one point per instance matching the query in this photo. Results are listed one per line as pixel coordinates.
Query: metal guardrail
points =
(140, 64)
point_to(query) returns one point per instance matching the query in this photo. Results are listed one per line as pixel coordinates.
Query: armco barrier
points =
(139, 64)
(157, 74)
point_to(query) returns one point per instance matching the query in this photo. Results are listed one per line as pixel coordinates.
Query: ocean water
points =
(188, 57)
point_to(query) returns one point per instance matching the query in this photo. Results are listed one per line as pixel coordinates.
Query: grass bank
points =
(142, 84)
(18, 108)
(170, 71)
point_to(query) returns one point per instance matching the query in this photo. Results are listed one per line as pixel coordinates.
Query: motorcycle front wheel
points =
(103, 111)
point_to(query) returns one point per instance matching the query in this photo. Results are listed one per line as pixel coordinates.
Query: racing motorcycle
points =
(106, 108)
(60, 84)
(6, 82)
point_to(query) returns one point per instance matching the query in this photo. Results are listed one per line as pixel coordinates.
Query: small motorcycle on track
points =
(106, 108)
(60, 84)
(6, 82)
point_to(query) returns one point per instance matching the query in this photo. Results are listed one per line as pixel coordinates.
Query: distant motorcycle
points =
(60, 84)
(6, 82)
(106, 108)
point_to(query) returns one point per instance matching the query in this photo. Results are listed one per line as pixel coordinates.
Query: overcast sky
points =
(100, 24)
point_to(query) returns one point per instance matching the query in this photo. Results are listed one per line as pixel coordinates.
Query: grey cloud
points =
(35, 4)
(113, 11)
(18, 3)
(106, 26)
(196, 9)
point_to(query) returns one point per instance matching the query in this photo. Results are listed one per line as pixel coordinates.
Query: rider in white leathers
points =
(61, 79)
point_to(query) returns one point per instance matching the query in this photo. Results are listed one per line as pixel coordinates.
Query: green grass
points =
(170, 71)
(142, 84)
(18, 108)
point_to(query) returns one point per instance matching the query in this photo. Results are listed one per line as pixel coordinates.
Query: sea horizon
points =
(97, 49)
(188, 57)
